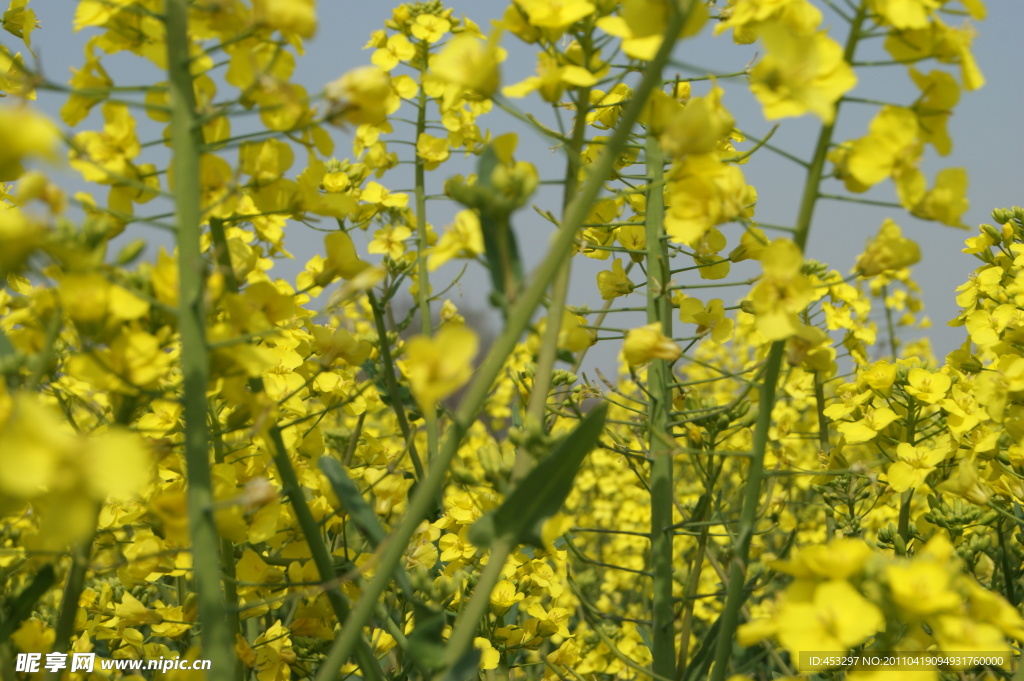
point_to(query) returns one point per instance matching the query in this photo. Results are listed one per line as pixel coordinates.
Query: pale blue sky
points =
(985, 129)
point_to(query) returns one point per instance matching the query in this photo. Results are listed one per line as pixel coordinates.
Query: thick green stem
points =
(736, 594)
(659, 380)
(424, 499)
(185, 144)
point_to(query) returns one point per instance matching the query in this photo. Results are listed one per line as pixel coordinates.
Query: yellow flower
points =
(461, 239)
(939, 94)
(23, 134)
(703, 192)
(888, 251)
(783, 291)
(614, 283)
(430, 27)
(966, 484)
(468, 66)
(834, 618)
(634, 238)
(867, 428)
(342, 260)
(363, 95)
(567, 654)
(33, 445)
(926, 386)
(746, 16)
(378, 194)
(390, 241)
(436, 367)
(699, 126)
(914, 465)
(555, 15)
(104, 157)
(20, 21)
(879, 376)
(945, 202)
(20, 236)
(800, 74)
(504, 596)
(274, 654)
(489, 656)
(296, 16)
(396, 49)
(839, 559)
(433, 150)
(641, 25)
(922, 587)
(552, 80)
(905, 14)
(986, 326)
(947, 45)
(647, 343)
(709, 318)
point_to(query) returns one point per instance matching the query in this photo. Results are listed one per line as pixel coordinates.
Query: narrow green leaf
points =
(466, 668)
(359, 512)
(426, 642)
(22, 605)
(544, 489)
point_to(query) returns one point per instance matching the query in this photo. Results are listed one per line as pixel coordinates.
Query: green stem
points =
(823, 444)
(185, 144)
(736, 594)
(422, 275)
(317, 548)
(890, 325)
(536, 410)
(73, 588)
(391, 385)
(424, 498)
(290, 483)
(227, 549)
(659, 379)
(692, 584)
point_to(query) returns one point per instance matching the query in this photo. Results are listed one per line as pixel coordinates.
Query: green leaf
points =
(359, 512)
(466, 668)
(543, 491)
